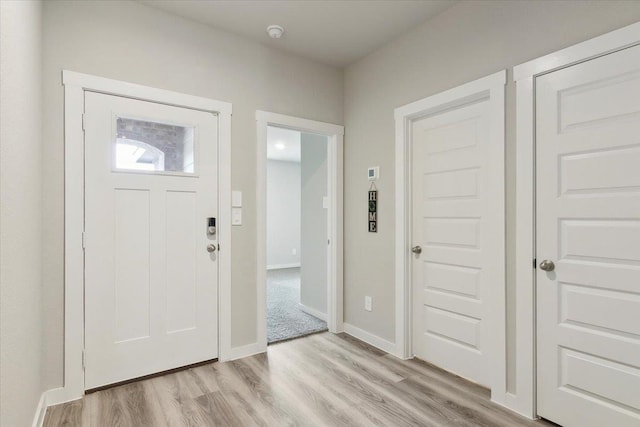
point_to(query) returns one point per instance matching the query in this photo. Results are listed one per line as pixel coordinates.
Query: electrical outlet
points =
(294, 251)
(367, 304)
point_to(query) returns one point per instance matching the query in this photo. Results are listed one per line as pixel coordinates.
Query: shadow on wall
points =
(313, 271)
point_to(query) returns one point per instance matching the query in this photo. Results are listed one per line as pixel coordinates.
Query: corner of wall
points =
(21, 383)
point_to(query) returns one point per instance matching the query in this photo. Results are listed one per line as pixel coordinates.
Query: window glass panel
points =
(151, 146)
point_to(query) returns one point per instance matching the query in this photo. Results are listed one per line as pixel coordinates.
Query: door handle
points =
(211, 248)
(547, 265)
(416, 250)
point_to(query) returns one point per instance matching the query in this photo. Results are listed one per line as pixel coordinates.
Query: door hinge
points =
(84, 240)
(328, 241)
(535, 263)
(84, 359)
(83, 121)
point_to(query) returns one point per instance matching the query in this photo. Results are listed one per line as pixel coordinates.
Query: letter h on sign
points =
(373, 211)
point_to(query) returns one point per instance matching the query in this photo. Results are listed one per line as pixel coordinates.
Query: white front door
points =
(151, 284)
(455, 187)
(588, 225)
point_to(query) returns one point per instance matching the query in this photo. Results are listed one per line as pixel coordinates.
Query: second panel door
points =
(454, 236)
(588, 242)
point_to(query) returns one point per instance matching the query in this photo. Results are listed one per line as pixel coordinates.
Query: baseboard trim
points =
(56, 396)
(279, 266)
(246, 351)
(51, 397)
(41, 410)
(371, 339)
(313, 312)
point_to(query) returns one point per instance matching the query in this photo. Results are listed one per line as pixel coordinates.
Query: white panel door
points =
(453, 188)
(588, 224)
(151, 284)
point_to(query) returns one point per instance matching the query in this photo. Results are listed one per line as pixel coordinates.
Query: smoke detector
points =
(275, 31)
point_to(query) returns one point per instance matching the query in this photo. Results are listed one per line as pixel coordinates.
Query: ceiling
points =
(335, 32)
(283, 144)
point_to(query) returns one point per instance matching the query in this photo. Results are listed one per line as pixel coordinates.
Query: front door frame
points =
(335, 162)
(491, 88)
(523, 397)
(75, 86)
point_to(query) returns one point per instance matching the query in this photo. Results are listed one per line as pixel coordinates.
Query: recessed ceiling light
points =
(280, 146)
(275, 31)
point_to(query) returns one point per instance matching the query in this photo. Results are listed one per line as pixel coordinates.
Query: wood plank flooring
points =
(319, 380)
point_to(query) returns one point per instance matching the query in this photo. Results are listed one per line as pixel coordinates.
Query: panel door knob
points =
(547, 265)
(211, 248)
(416, 250)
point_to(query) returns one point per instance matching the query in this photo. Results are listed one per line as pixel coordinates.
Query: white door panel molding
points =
(585, 121)
(588, 224)
(151, 284)
(450, 297)
(76, 86)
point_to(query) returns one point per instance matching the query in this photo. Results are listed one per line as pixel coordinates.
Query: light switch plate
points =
(236, 216)
(325, 202)
(368, 304)
(236, 199)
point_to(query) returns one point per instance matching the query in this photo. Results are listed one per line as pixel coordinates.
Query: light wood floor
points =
(319, 380)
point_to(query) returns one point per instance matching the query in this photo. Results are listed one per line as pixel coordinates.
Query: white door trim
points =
(523, 398)
(334, 251)
(75, 84)
(491, 88)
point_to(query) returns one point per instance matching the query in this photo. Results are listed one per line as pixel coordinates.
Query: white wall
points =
(132, 42)
(20, 211)
(468, 41)
(283, 214)
(313, 272)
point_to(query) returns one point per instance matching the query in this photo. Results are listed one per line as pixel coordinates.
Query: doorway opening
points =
(332, 136)
(297, 233)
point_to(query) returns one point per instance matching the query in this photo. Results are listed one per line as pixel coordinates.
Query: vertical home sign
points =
(373, 211)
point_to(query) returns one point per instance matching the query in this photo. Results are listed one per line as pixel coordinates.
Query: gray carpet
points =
(284, 319)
